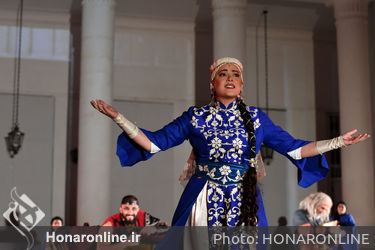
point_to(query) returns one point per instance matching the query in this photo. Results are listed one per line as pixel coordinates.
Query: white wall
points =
(30, 171)
(44, 73)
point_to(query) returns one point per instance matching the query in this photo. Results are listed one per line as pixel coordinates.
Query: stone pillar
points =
(355, 107)
(229, 29)
(95, 146)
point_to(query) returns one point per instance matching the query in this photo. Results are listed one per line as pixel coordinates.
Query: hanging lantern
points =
(15, 137)
(14, 141)
(267, 154)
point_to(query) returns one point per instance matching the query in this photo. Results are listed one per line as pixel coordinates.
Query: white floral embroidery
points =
(221, 174)
(194, 121)
(215, 198)
(237, 143)
(211, 174)
(214, 123)
(237, 123)
(225, 170)
(227, 141)
(203, 168)
(256, 124)
(227, 134)
(216, 142)
(232, 203)
(224, 131)
(253, 113)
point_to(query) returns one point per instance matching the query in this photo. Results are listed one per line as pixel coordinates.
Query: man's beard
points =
(322, 217)
(129, 222)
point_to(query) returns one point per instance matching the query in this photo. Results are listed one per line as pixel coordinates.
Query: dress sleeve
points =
(171, 135)
(347, 220)
(311, 169)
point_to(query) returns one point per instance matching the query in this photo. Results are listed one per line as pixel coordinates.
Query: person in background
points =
(56, 227)
(314, 211)
(341, 216)
(347, 223)
(312, 217)
(128, 220)
(131, 215)
(56, 222)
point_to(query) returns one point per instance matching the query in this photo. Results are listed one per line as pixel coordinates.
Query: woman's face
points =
(227, 83)
(341, 209)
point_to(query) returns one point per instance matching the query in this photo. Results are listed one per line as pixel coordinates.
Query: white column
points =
(95, 145)
(229, 29)
(355, 107)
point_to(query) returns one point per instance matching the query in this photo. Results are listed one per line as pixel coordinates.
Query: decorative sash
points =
(221, 172)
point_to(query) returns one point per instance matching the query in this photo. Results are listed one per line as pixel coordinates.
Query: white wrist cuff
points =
(328, 145)
(295, 154)
(154, 148)
(129, 128)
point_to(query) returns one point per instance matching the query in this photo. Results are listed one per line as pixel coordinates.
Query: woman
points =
(341, 215)
(225, 135)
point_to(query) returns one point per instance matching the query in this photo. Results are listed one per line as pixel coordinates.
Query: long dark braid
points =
(249, 206)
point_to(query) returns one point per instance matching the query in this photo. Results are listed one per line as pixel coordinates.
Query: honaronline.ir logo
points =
(24, 215)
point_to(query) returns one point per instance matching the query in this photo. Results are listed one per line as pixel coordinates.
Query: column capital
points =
(349, 8)
(229, 3)
(99, 2)
(229, 7)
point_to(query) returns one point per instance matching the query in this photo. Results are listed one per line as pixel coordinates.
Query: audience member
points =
(131, 215)
(341, 216)
(314, 211)
(56, 222)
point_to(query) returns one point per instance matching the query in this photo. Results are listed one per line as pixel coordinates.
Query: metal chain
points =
(257, 59)
(265, 12)
(19, 62)
(15, 69)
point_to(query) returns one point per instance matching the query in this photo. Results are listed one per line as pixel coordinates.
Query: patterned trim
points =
(223, 204)
(222, 173)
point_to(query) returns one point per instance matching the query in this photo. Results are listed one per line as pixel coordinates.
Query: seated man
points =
(130, 215)
(314, 211)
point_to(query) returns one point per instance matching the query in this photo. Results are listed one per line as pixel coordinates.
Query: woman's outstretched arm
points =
(128, 127)
(320, 147)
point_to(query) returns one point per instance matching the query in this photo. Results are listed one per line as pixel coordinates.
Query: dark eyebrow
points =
(233, 70)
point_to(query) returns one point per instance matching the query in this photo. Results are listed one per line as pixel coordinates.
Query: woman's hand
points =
(349, 139)
(104, 108)
(128, 127)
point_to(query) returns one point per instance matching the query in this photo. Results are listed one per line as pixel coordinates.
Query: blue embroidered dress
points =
(220, 144)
